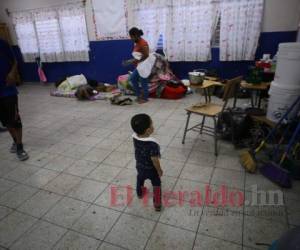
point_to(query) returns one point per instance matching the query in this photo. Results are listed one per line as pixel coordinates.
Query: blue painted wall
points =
(106, 57)
(104, 65)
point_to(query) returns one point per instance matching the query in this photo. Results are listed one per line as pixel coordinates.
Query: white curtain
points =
(240, 29)
(54, 34)
(153, 22)
(26, 36)
(48, 34)
(191, 28)
(110, 19)
(186, 25)
(74, 33)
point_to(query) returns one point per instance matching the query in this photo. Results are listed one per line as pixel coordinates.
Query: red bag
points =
(173, 91)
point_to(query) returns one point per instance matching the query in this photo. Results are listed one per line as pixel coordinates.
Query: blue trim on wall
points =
(223, 69)
(105, 63)
(268, 44)
(106, 58)
(269, 41)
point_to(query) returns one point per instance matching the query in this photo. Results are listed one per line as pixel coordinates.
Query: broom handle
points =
(283, 136)
(291, 142)
(296, 149)
(277, 125)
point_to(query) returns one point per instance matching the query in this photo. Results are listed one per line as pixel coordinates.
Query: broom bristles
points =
(247, 161)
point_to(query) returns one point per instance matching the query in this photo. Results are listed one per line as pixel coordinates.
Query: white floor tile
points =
(87, 190)
(13, 226)
(62, 184)
(66, 212)
(81, 168)
(168, 237)
(131, 232)
(96, 222)
(40, 203)
(17, 195)
(35, 239)
(76, 241)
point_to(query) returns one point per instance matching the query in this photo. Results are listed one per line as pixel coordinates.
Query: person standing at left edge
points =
(9, 111)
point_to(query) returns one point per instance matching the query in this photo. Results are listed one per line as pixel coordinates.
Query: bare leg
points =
(16, 134)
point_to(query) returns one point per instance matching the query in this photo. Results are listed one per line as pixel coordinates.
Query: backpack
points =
(234, 124)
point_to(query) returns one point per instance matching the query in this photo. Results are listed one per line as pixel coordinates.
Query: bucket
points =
(280, 100)
(197, 76)
(288, 65)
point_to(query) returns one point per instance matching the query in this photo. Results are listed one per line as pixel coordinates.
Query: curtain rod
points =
(8, 12)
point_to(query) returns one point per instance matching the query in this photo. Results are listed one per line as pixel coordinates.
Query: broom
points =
(247, 157)
(291, 143)
(274, 171)
(292, 162)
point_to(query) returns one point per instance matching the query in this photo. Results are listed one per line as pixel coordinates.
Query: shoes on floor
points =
(158, 208)
(22, 155)
(3, 129)
(142, 101)
(13, 148)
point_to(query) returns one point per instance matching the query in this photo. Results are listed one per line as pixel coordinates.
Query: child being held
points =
(147, 154)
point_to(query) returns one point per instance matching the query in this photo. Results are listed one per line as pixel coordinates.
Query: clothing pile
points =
(120, 100)
(162, 82)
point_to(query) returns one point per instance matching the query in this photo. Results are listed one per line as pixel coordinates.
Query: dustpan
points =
(277, 174)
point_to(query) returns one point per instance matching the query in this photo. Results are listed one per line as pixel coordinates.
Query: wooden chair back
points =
(231, 88)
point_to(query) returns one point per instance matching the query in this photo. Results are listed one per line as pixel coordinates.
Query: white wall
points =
(279, 15)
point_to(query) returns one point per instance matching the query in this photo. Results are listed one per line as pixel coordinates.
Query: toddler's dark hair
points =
(136, 32)
(140, 123)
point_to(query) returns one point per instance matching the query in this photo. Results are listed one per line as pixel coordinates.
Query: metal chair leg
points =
(202, 124)
(234, 100)
(252, 101)
(215, 136)
(186, 126)
(259, 99)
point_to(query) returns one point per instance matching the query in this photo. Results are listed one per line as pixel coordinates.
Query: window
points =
(187, 26)
(110, 19)
(216, 37)
(28, 42)
(153, 23)
(53, 34)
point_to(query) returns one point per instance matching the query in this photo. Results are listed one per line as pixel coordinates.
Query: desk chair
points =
(211, 110)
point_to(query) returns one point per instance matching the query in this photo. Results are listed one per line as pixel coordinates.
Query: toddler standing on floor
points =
(147, 155)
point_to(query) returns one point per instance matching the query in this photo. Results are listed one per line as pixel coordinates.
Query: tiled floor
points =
(61, 197)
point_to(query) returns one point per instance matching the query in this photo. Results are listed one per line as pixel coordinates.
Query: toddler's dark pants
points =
(153, 176)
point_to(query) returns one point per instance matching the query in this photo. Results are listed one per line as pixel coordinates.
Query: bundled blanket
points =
(72, 83)
(162, 82)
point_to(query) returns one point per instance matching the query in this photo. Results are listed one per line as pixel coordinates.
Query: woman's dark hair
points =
(140, 123)
(135, 32)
